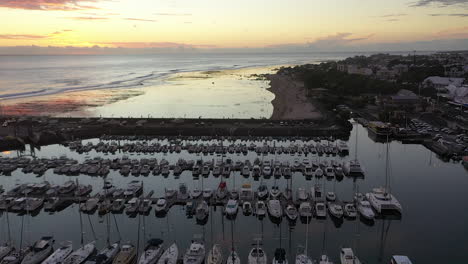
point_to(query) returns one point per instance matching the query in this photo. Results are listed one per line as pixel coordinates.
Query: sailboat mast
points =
(81, 219)
(8, 226)
(307, 235)
(386, 169)
(356, 147)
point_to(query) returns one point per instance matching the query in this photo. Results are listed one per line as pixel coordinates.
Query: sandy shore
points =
(290, 99)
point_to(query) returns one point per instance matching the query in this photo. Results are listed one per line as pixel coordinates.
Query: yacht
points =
(262, 191)
(202, 211)
(161, 206)
(127, 255)
(134, 188)
(331, 196)
(335, 210)
(324, 259)
(207, 193)
(365, 210)
(118, 206)
(246, 193)
(280, 256)
(257, 256)
(260, 208)
(347, 256)
(318, 172)
(80, 255)
(317, 193)
(320, 210)
(382, 200)
(60, 254)
(353, 167)
(274, 208)
(291, 212)
(232, 207)
(4, 251)
(195, 193)
(233, 258)
(245, 171)
(132, 206)
(152, 252)
(302, 194)
(215, 256)
(329, 172)
(400, 260)
(275, 192)
(350, 210)
(39, 251)
(195, 253)
(305, 210)
(221, 192)
(105, 256)
(170, 255)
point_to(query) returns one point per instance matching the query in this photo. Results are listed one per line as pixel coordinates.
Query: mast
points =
(81, 220)
(8, 225)
(386, 170)
(356, 147)
(307, 235)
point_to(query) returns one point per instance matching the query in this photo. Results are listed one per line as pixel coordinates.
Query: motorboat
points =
(207, 193)
(262, 191)
(132, 206)
(347, 256)
(39, 251)
(287, 194)
(400, 260)
(5, 250)
(90, 205)
(330, 196)
(302, 194)
(308, 171)
(215, 255)
(232, 207)
(365, 209)
(195, 253)
(280, 256)
(382, 200)
(274, 208)
(260, 208)
(234, 194)
(246, 208)
(80, 255)
(256, 171)
(318, 172)
(195, 193)
(317, 193)
(170, 255)
(305, 210)
(246, 193)
(127, 255)
(161, 206)
(202, 211)
(233, 258)
(257, 256)
(303, 259)
(245, 171)
(320, 210)
(353, 167)
(335, 209)
(324, 259)
(275, 192)
(134, 188)
(291, 212)
(169, 193)
(350, 210)
(266, 171)
(221, 192)
(152, 252)
(329, 172)
(106, 255)
(118, 205)
(59, 255)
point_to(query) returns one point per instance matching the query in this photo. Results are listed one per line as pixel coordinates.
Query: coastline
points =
(290, 102)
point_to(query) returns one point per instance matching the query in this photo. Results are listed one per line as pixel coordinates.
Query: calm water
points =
(431, 230)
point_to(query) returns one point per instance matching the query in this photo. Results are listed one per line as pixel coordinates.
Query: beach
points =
(291, 102)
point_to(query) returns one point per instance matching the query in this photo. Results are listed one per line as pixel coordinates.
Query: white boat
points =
(4, 251)
(232, 207)
(257, 256)
(80, 255)
(202, 211)
(319, 172)
(60, 254)
(215, 256)
(161, 206)
(400, 260)
(317, 193)
(260, 208)
(353, 167)
(246, 208)
(245, 171)
(127, 255)
(234, 194)
(195, 253)
(339, 172)
(303, 259)
(324, 259)
(382, 200)
(170, 193)
(350, 210)
(262, 191)
(207, 193)
(305, 209)
(365, 210)
(291, 212)
(105, 256)
(266, 171)
(246, 193)
(335, 210)
(221, 192)
(40, 251)
(302, 194)
(152, 252)
(232, 258)
(331, 196)
(320, 210)
(347, 256)
(274, 208)
(170, 255)
(195, 193)
(329, 172)
(275, 192)
(287, 194)
(280, 256)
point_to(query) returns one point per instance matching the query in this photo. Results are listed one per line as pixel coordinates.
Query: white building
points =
(441, 82)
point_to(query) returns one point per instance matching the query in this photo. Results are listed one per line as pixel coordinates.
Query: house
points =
(404, 97)
(441, 82)
(353, 69)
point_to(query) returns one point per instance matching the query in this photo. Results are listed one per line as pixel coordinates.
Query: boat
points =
(195, 253)
(234, 194)
(318, 172)
(320, 210)
(232, 207)
(302, 194)
(245, 171)
(118, 206)
(169, 193)
(274, 208)
(329, 172)
(262, 191)
(80, 255)
(317, 193)
(195, 193)
(170, 255)
(365, 210)
(287, 194)
(33, 204)
(105, 256)
(183, 193)
(246, 193)
(132, 206)
(303, 259)
(15, 256)
(161, 206)
(202, 211)
(260, 208)
(90, 205)
(291, 212)
(67, 187)
(347, 256)
(39, 251)
(126, 255)
(275, 192)
(305, 210)
(324, 259)
(215, 256)
(59, 255)
(350, 210)
(207, 193)
(221, 192)
(134, 188)
(400, 260)
(246, 208)
(152, 252)
(83, 190)
(353, 167)
(335, 210)
(256, 171)
(382, 200)
(5, 250)
(233, 258)
(257, 256)
(330, 196)
(280, 256)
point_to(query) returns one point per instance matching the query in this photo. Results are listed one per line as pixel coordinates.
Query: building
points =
(441, 82)
(404, 97)
(353, 69)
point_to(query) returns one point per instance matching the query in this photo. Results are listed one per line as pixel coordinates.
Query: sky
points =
(99, 26)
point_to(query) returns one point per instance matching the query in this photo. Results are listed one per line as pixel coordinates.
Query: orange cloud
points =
(62, 5)
(141, 45)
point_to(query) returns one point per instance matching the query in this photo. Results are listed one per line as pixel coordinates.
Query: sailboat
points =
(195, 253)
(257, 255)
(381, 198)
(233, 258)
(106, 255)
(60, 254)
(347, 256)
(215, 256)
(353, 167)
(80, 255)
(126, 255)
(40, 251)
(152, 252)
(7, 247)
(302, 257)
(170, 255)
(280, 256)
